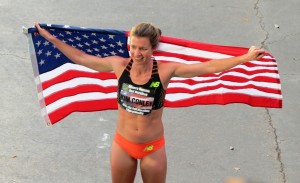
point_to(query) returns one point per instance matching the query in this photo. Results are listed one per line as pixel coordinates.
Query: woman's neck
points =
(142, 68)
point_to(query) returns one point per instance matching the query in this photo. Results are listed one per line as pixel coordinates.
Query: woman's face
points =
(140, 49)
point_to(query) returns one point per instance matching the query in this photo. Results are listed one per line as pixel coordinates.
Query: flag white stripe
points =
(271, 75)
(224, 91)
(255, 68)
(257, 62)
(77, 82)
(175, 59)
(171, 48)
(62, 69)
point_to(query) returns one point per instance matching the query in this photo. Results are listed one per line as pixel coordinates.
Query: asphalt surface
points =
(266, 141)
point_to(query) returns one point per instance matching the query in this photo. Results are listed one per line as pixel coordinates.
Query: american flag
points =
(65, 87)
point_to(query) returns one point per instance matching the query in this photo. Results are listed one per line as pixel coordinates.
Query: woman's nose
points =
(137, 52)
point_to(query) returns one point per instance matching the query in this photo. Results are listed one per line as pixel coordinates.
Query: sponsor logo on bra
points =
(155, 84)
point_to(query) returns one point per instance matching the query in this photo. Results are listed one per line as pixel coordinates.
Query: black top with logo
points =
(141, 99)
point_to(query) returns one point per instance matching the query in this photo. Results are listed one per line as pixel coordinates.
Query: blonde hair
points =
(147, 30)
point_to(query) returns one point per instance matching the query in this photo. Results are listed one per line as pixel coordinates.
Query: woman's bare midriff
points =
(140, 128)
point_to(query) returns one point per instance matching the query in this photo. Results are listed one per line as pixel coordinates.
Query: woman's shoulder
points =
(119, 64)
(167, 65)
(117, 61)
(166, 70)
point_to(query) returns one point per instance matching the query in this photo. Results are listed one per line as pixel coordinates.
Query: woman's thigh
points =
(154, 167)
(123, 166)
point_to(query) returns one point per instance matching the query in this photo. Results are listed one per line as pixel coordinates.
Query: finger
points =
(260, 55)
(37, 25)
(252, 48)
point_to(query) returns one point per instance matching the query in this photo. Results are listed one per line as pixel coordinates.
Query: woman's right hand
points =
(43, 32)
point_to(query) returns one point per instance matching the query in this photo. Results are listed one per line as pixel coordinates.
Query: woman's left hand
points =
(255, 53)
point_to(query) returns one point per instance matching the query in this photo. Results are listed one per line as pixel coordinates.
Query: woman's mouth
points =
(139, 59)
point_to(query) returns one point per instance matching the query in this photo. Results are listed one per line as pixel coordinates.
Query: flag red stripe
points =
(85, 106)
(236, 79)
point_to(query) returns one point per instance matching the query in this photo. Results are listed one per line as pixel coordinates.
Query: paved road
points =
(266, 141)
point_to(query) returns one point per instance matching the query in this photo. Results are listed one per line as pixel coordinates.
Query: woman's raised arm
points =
(218, 65)
(79, 57)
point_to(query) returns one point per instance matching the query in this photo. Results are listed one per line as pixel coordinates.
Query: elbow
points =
(80, 58)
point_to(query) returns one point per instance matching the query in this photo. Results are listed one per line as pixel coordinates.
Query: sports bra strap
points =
(129, 65)
(154, 68)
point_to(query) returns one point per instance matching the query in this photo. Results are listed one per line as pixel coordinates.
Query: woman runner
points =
(142, 82)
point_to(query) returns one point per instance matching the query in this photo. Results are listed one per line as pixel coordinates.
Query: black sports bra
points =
(141, 99)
